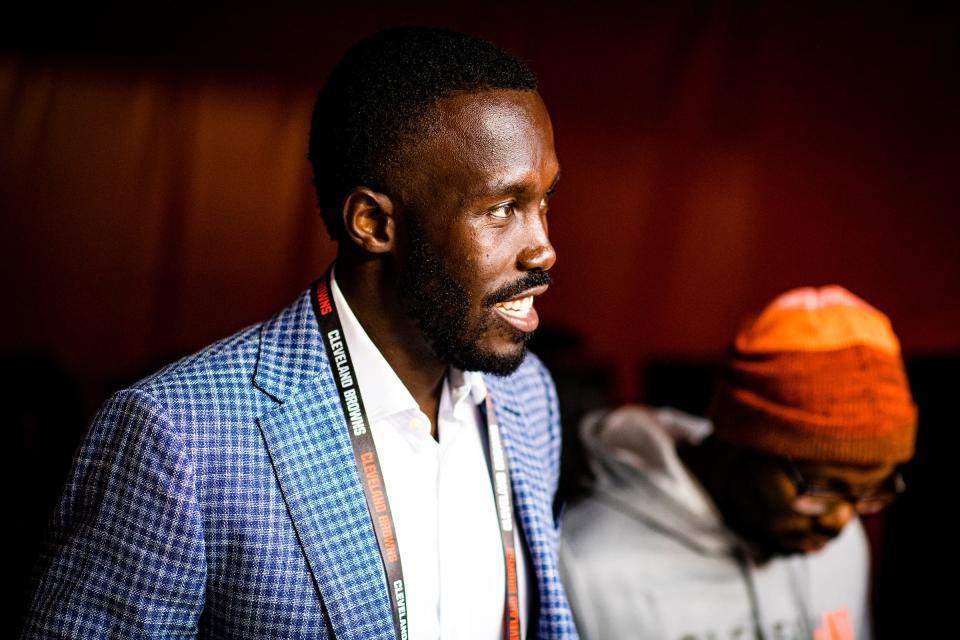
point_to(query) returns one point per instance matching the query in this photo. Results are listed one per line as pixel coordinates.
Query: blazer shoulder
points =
(225, 361)
(222, 376)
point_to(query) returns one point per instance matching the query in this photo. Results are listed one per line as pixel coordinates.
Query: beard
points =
(440, 305)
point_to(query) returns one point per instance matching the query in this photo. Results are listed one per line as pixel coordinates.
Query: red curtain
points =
(713, 156)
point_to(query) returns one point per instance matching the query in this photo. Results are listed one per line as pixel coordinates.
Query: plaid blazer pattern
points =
(219, 498)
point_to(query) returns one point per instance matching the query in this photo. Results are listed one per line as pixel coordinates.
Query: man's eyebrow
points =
(508, 187)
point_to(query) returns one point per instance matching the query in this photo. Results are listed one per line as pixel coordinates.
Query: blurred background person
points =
(745, 526)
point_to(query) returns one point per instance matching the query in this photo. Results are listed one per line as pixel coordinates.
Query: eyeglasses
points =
(813, 500)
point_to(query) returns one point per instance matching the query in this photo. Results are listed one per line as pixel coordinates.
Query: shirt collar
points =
(384, 394)
(465, 388)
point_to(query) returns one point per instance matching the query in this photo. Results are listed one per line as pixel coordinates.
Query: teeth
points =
(519, 307)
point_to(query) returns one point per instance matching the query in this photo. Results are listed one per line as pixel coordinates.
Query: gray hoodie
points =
(646, 554)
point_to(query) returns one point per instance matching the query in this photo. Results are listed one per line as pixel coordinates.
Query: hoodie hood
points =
(632, 453)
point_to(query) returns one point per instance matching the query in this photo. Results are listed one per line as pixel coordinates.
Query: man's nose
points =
(837, 517)
(537, 253)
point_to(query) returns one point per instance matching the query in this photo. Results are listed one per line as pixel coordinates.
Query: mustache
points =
(529, 280)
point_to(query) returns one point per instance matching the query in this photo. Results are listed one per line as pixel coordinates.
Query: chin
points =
(497, 350)
(498, 363)
(500, 357)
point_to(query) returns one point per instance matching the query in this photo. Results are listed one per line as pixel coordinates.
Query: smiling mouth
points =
(519, 311)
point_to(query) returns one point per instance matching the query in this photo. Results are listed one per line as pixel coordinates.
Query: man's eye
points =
(503, 211)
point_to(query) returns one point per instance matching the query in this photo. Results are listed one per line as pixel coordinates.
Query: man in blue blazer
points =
(227, 496)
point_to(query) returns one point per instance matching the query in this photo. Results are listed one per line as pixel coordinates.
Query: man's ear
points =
(368, 218)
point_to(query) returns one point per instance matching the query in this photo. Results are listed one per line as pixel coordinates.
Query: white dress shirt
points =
(440, 495)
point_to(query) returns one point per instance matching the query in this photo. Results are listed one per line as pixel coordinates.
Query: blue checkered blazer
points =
(219, 498)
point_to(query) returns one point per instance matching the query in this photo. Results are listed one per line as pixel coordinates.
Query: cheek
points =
(779, 494)
(772, 496)
(491, 250)
(489, 267)
(478, 280)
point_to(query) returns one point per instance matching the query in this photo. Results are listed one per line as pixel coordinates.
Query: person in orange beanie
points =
(745, 525)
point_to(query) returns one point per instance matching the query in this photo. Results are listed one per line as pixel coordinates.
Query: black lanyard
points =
(371, 476)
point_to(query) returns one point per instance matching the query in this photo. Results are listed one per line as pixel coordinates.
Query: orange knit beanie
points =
(818, 375)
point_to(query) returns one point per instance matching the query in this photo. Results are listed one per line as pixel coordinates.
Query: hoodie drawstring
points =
(746, 568)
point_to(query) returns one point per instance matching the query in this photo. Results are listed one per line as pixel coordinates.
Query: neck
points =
(375, 302)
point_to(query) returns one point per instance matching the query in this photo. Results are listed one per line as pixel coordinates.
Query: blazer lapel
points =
(528, 475)
(306, 436)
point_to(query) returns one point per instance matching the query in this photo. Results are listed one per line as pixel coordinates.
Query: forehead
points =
(479, 141)
(493, 121)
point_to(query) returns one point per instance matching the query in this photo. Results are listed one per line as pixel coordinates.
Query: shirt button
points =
(420, 423)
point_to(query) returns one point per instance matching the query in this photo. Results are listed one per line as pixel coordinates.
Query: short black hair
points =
(381, 93)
